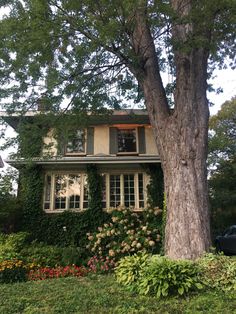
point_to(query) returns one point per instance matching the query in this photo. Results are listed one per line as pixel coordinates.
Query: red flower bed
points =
(57, 272)
(99, 264)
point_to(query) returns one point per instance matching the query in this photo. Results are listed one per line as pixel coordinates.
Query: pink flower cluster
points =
(57, 272)
(99, 264)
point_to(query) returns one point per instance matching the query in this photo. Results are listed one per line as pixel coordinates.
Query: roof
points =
(138, 116)
(112, 160)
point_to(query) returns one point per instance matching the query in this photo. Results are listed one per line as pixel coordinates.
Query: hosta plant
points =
(157, 275)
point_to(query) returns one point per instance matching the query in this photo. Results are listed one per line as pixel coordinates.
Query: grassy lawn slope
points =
(101, 294)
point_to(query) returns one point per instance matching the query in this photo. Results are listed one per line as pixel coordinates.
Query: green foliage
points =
(31, 192)
(222, 155)
(158, 275)
(12, 271)
(222, 185)
(99, 42)
(95, 190)
(218, 272)
(30, 137)
(41, 254)
(163, 277)
(130, 269)
(155, 188)
(10, 206)
(127, 232)
(222, 144)
(11, 245)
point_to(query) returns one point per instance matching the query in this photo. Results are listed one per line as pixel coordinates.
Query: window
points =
(70, 191)
(125, 189)
(76, 143)
(129, 195)
(65, 192)
(126, 140)
(114, 190)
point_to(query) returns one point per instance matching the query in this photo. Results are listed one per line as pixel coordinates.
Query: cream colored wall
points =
(151, 148)
(50, 143)
(101, 140)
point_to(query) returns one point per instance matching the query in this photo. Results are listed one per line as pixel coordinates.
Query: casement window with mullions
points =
(127, 141)
(80, 142)
(128, 190)
(70, 191)
(76, 142)
(65, 192)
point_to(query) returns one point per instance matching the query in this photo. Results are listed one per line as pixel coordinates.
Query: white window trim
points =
(136, 190)
(52, 209)
(52, 192)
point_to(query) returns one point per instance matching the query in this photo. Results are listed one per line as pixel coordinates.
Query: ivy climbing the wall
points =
(155, 188)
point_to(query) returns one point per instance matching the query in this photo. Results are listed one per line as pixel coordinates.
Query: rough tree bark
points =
(181, 135)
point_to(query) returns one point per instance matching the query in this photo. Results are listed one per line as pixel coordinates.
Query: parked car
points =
(227, 241)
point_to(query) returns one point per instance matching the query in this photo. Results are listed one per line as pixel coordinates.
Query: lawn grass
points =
(101, 294)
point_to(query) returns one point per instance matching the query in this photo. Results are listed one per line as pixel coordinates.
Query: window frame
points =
(85, 145)
(146, 180)
(136, 137)
(106, 175)
(53, 175)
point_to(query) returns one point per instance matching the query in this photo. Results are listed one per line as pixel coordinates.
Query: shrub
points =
(11, 245)
(44, 255)
(130, 268)
(57, 272)
(158, 275)
(127, 232)
(218, 271)
(51, 256)
(99, 264)
(12, 271)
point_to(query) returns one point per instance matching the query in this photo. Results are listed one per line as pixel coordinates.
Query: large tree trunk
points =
(181, 137)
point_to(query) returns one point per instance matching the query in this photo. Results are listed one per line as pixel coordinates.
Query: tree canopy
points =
(222, 137)
(84, 53)
(222, 163)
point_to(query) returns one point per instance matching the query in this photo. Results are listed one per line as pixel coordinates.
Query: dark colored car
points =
(227, 242)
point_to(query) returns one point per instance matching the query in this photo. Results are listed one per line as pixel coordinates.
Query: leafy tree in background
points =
(10, 206)
(95, 54)
(222, 163)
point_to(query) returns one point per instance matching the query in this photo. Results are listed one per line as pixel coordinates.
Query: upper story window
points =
(126, 140)
(76, 142)
(79, 142)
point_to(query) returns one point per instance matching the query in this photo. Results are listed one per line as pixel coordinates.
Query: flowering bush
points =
(57, 272)
(12, 271)
(127, 233)
(99, 264)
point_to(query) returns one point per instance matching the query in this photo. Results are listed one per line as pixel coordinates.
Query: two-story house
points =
(119, 145)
